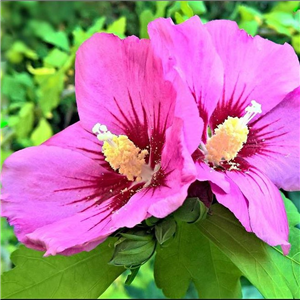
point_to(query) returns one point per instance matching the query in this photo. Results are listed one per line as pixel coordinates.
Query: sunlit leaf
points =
(286, 6)
(118, 27)
(85, 275)
(55, 58)
(41, 133)
(49, 90)
(186, 9)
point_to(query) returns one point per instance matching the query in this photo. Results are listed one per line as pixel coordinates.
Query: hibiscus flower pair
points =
(194, 103)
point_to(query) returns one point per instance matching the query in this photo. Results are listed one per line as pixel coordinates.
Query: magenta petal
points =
(188, 48)
(120, 83)
(234, 201)
(79, 232)
(166, 194)
(206, 173)
(273, 143)
(76, 138)
(46, 184)
(255, 69)
(267, 214)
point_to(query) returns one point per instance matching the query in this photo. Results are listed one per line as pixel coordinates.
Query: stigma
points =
(230, 136)
(121, 153)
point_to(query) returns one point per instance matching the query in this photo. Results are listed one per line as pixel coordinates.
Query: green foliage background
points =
(38, 45)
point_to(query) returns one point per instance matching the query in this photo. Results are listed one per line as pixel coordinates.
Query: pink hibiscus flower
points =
(246, 91)
(128, 158)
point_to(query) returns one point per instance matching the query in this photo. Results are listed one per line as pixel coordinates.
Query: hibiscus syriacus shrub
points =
(183, 144)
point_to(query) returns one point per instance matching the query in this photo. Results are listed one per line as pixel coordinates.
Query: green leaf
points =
(192, 210)
(249, 13)
(55, 58)
(82, 276)
(13, 89)
(80, 35)
(191, 257)
(250, 27)
(292, 211)
(282, 22)
(145, 17)
(96, 27)
(41, 133)
(160, 9)
(198, 7)
(186, 9)
(23, 121)
(179, 18)
(286, 6)
(49, 91)
(118, 27)
(131, 251)
(165, 230)
(272, 273)
(46, 32)
(18, 51)
(296, 42)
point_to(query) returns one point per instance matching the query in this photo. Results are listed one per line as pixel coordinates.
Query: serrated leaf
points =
(82, 276)
(191, 257)
(273, 274)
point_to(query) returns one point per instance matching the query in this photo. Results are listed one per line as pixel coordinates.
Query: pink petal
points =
(79, 232)
(255, 68)
(267, 214)
(76, 138)
(188, 48)
(47, 184)
(124, 88)
(204, 172)
(234, 200)
(273, 143)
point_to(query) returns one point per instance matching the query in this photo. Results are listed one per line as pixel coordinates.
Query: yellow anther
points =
(227, 141)
(229, 137)
(124, 156)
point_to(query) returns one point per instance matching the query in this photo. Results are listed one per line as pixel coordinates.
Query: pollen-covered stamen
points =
(229, 137)
(122, 154)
